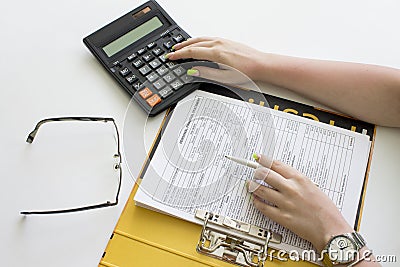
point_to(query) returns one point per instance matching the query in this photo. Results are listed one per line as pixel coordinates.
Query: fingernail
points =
(174, 46)
(193, 72)
(252, 186)
(167, 56)
(247, 184)
(256, 156)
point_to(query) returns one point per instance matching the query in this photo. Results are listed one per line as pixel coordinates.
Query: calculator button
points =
(137, 63)
(162, 70)
(131, 79)
(151, 45)
(167, 91)
(170, 64)
(124, 72)
(117, 63)
(179, 71)
(157, 51)
(155, 63)
(186, 78)
(152, 77)
(169, 77)
(147, 57)
(168, 44)
(179, 38)
(131, 57)
(145, 93)
(153, 100)
(159, 84)
(176, 85)
(162, 58)
(145, 70)
(141, 51)
(137, 85)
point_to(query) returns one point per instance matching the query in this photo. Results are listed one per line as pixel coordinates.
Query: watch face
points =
(342, 249)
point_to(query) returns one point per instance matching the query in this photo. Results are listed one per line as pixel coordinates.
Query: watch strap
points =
(358, 239)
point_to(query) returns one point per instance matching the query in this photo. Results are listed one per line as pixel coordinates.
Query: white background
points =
(47, 71)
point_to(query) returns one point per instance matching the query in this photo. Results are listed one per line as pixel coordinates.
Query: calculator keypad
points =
(150, 73)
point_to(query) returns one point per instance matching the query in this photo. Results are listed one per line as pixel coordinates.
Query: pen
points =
(244, 162)
(249, 163)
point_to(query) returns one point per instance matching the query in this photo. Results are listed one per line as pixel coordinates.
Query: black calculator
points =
(132, 48)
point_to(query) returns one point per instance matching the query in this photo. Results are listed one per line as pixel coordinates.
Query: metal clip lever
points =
(234, 241)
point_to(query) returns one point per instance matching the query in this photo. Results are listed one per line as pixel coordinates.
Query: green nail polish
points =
(166, 56)
(193, 72)
(255, 156)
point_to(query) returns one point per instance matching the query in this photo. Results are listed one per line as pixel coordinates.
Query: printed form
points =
(188, 170)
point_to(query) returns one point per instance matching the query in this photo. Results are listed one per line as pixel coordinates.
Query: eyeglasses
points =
(117, 165)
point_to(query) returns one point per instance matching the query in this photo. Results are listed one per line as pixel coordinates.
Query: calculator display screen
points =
(132, 36)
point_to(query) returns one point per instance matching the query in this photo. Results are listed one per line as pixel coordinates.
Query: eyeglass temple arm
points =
(32, 134)
(108, 204)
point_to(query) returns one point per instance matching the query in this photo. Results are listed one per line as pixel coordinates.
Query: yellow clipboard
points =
(147, 238)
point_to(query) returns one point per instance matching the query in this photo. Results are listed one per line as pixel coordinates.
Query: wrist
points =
(323, 237)
(260, 67)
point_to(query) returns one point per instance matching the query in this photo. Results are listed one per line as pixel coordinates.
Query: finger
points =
(225, 76)
(283, 169)
(191, 41)
(264, 160)
(271, 177)
(202, 43)
(200, 53)
(270, 211)
(266, 193)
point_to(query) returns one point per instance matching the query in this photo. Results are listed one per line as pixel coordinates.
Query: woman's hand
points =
(232, 54)
(296, 203)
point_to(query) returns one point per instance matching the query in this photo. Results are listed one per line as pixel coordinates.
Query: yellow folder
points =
(147, 238)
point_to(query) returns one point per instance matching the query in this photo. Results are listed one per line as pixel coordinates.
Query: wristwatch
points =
(342, 249)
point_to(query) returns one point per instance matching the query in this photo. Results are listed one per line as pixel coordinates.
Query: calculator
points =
(132, 49)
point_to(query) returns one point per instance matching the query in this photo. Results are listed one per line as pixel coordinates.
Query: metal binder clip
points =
(234, 241)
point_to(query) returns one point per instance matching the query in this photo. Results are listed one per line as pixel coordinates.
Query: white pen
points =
(249, 163)
(245, 162)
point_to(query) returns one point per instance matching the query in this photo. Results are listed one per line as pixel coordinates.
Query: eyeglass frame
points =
(117, 166)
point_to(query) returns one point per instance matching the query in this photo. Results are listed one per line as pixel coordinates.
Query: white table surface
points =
(47, 71)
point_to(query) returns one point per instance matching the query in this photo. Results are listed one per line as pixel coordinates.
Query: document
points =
(189, 171)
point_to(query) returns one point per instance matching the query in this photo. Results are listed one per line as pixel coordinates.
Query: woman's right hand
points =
(296, 203)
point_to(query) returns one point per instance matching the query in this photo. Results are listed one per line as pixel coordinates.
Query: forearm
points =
(367, 92)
